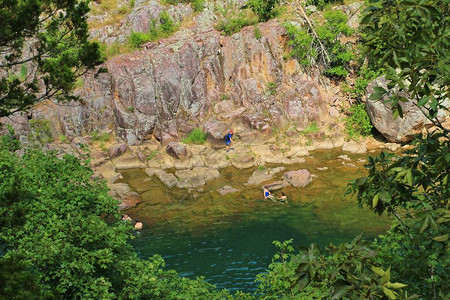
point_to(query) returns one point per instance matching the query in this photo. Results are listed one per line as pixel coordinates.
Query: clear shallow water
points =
(228, 239)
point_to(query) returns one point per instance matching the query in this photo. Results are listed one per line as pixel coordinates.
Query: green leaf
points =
(379, 271)
(367, 19)
(423, 101)
(395, 285)
(424, 225)
(387, 276)
(361, 180)
(441, 238)
(390, 294)
(375, 200)
(378, 93)
(409, 177)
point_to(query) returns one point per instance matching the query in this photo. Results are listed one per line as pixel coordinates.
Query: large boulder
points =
(299, 178)
(215, 131)
(117, 150)
(395, 130)
(176, 150)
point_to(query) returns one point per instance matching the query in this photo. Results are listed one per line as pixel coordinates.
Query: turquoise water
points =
(228, 239)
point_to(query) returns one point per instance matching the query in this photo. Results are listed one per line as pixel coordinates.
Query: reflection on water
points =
(228, 239)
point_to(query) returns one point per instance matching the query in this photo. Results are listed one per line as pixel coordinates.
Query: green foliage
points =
(320, 4)
(261, 168)
(312, 127)
(137, 39)
(41, 132)
(224, 97)
(197, 136)
(114, 49)
(257, 33)
(300, 42)
(416, 183)
(8, 140)
(198, 5)
(346, 271)
(415, 56)
(305, 48)
(365, 76)
(158, 29)
(100, 136)
(358, 123)
(130, 109)
(264, 9)
(62, 238)
(63, 139)
(335, 25)
(235, 23)
(152, 155)
(167, 25)
(45, 47)
(271, 88)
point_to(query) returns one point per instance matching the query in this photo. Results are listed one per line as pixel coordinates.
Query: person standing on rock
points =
(229, 139)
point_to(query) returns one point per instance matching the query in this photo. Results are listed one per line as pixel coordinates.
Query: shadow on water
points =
(228, 239)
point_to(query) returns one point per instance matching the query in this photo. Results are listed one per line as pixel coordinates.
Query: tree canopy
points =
(44, 47)
(61, 236)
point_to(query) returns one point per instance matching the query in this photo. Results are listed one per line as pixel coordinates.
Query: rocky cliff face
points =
(196, 78)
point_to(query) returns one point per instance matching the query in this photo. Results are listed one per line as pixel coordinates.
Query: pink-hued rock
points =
(216, 131)
(167, 87)
(117, 150)
(177, 150)
(299, 178)
(399, 130)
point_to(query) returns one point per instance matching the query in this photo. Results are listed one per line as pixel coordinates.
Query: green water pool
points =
(228, 239)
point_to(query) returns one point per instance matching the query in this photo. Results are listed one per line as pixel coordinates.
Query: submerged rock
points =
(260, 176)
(227, 189)
(167, 178)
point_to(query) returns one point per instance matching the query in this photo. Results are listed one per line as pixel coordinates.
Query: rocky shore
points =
(190, 167)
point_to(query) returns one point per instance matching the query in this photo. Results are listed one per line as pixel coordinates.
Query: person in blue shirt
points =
(229, 139)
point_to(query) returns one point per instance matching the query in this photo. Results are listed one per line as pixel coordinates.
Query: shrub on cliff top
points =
(264, 9)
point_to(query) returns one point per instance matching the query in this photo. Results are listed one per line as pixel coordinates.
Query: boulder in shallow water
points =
(276, 185)
(299, 178)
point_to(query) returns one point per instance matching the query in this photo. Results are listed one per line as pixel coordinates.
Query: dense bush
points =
(234, 24)
(358, 123)
(320, 4)
(264, 9)
(197, 136)
(61, 237)
(162, 28)
(300, 42)
(305, 48)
